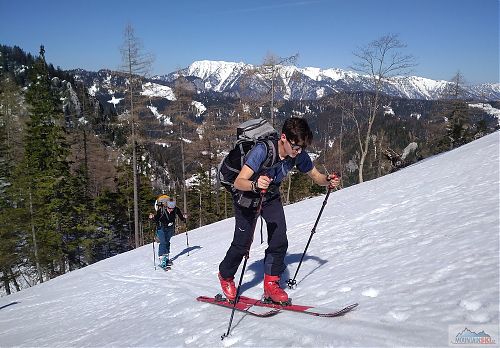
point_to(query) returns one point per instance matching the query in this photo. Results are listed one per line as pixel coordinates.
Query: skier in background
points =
(165, 226)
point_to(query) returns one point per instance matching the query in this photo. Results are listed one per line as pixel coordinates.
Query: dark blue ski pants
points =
(273, 214)
(164, 234)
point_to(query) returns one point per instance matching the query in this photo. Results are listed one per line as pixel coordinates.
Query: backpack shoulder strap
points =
(272, 152)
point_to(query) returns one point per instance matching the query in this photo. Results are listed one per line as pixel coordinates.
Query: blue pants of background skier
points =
(164, 234)
(272, 212)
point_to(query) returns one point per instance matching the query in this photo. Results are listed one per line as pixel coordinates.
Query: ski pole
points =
(261, 237)
(154, 251)
(154, 254)
(247, 255)
(187, 237)
(292, 282)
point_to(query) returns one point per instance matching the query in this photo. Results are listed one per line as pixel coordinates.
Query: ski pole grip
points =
(333, 176)
(264, 191)
(256, 188)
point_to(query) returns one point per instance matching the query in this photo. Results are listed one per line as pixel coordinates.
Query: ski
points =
(311, 310)
(244, 307)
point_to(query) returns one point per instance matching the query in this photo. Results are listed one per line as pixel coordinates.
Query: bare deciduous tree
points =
(270, 68)
(182, 108)
(456, 88)
(382, 60)
(136, 65)
(268, 73)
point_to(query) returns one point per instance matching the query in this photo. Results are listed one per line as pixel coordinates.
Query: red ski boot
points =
(228, 287)
(273, 291)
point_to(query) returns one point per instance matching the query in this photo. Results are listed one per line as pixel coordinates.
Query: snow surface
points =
(165, 120)
(115, 100)
(150, 89)
(488, 109)
(418, 249)
(93, 89)
(225, 72)
(200, 108)
(318, 74)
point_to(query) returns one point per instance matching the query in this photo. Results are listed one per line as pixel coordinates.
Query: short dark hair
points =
(297, 130)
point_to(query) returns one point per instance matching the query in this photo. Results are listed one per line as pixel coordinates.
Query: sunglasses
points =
(296, 147)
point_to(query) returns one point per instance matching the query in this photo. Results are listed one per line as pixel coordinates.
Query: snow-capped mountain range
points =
(311, 83)
(293, 83)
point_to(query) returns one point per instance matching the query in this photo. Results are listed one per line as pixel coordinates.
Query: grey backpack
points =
(247, 135)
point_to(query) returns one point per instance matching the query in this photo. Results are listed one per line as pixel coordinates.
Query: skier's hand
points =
(151, 215)
(333, 180)
(263, 183)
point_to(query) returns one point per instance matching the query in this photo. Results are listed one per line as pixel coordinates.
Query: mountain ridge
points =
(313, 83)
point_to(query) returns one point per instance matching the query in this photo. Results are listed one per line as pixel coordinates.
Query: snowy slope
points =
(417, 249)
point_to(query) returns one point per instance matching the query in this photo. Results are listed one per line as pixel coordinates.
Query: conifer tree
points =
(8, 239)
(12, 225)
(458, 128)
(44, 172)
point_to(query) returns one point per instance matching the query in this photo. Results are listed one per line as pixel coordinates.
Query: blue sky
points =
(445, 36)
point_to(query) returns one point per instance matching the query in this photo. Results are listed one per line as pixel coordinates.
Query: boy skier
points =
(295, 137)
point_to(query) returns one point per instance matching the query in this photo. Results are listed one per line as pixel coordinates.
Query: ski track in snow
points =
(418, 249)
